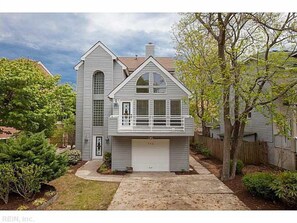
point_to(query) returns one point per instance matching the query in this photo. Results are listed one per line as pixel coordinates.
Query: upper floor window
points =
(143, 83)
(98, 83)
(159, 83)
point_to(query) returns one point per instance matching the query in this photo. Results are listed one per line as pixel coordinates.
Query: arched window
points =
(159, 83)
(142, 84)
(98, 86)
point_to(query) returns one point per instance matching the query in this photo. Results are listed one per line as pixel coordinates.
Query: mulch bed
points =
(236, 185)
(110, 172)
(190, 172)
(16, 200)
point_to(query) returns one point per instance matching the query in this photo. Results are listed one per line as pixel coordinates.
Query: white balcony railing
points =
(151, 123)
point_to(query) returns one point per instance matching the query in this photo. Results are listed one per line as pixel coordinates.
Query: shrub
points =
(6, 180)
(285, 187)
(39, 201)
(259, 184)
(107, 159)
(239, 166)
(29, 148)
(74, 156)
(197, 147)
(28, 180)
(206, 152)
(103, 168)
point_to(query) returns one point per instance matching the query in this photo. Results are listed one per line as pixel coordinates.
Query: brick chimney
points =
(149, 50)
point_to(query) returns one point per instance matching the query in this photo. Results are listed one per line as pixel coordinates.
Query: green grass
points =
(79, 194)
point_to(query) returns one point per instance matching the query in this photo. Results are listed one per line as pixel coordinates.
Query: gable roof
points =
(154, 61)
(133, 63)
(44, 69)
(99, 43)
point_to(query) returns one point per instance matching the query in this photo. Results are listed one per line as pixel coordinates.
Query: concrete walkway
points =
(198, 167)
(89, 172)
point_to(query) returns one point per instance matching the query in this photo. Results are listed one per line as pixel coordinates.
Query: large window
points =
(98, 83)
(157, 83)
(98, 113)
(143, 84)
(175, 111)
(142, 111)
(159, 112)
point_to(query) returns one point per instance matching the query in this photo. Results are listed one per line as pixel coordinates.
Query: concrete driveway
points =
(168, 191)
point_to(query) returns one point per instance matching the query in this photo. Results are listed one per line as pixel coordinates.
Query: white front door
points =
(150, 154)
(97, 151)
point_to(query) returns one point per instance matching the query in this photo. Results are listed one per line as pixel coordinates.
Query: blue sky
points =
(59, 40)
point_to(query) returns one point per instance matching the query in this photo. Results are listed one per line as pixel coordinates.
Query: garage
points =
(150, 154)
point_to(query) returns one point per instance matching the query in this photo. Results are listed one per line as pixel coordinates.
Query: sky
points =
(58, 40)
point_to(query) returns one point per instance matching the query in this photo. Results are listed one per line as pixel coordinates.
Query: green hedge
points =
(285, 187)
(74, 156)
(26, 162)
(259, 183)
(29, 148)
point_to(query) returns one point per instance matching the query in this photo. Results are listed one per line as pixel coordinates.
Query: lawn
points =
(79, 194)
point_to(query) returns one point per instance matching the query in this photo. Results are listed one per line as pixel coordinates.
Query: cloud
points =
(59, 39)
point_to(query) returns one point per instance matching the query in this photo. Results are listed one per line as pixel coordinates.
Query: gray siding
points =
(99, 59)
(121, 153)
(128, 91)
(79, 108)
(179, 152)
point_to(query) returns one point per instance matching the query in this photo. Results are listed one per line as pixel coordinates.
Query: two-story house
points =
(282, 150)
(133, 107)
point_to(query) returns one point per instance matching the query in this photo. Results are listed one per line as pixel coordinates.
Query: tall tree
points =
(29, 99)
(197, 65)
(246, 86)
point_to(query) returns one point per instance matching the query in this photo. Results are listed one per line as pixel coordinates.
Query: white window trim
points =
(151, 87)
(154, 61)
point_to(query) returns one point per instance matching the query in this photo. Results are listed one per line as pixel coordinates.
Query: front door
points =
(126, 113)
(97, 147)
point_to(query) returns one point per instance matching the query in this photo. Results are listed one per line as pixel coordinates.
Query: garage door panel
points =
(150, 155)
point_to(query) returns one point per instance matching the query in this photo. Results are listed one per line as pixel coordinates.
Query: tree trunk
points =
(237, 144)
(205, 129)
(226, 99)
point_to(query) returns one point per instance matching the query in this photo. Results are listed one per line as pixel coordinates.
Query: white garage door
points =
(150, 154)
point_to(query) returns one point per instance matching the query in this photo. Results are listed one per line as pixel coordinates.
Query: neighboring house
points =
(134, 108)
(282, 151)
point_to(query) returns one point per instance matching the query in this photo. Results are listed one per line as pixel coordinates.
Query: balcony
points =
(151, 125)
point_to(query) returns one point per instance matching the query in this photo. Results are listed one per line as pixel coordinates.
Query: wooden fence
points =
(250, 152)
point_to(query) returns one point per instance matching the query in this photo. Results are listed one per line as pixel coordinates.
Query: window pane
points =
(143, 80)
(142, 90)
(98, 113)
(98, 83)
(175, 107)
(159, 107)
(98, 146)
(159, 80)
(142, 107)
(159, 90)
